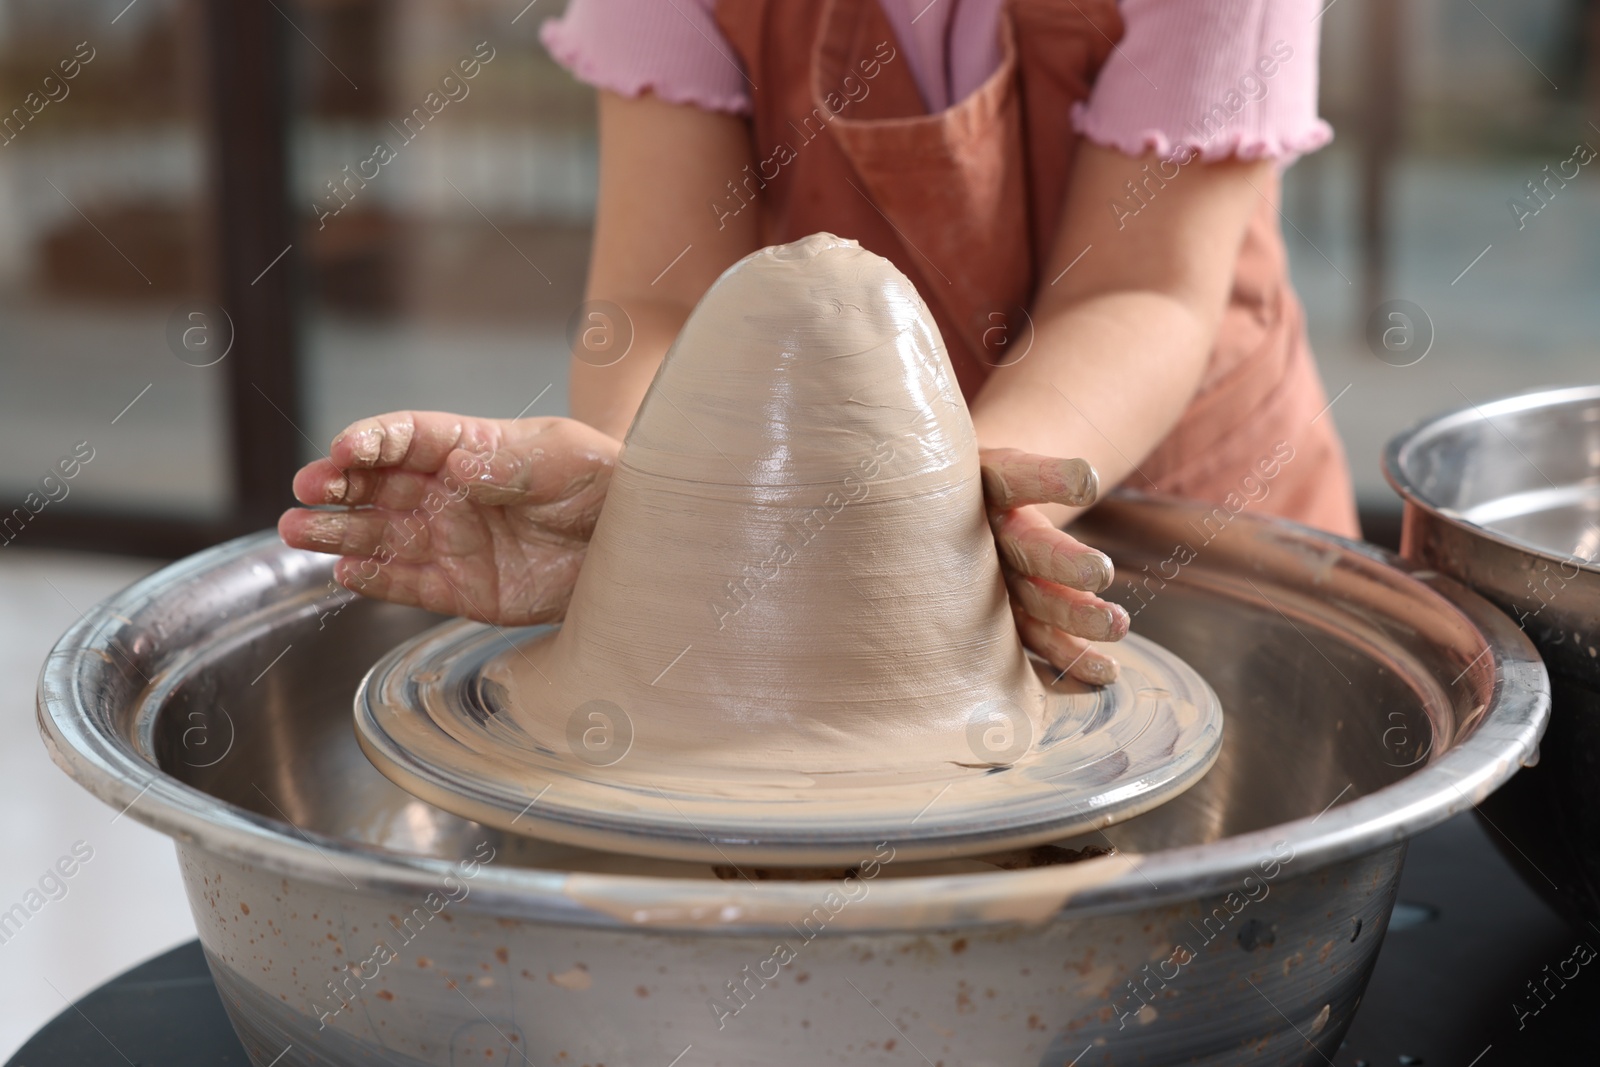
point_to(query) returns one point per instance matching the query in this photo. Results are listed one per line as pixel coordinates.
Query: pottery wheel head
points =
(790, 639)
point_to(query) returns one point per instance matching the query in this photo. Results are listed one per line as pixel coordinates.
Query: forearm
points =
(1123, 333)
(657, 247)
(607, 395)
(1106, 379)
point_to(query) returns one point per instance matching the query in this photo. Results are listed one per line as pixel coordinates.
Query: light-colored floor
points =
(125, 903)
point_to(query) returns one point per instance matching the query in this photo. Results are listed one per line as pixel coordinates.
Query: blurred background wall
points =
(1444, 111)
(142, 201)
(145, 197)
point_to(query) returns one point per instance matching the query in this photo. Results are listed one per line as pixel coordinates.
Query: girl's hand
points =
(487, 518)
(1053, 578)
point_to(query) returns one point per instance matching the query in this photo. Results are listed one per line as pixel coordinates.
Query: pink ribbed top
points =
(1222, 77)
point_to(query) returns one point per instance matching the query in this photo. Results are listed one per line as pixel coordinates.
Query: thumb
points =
(1014, 479)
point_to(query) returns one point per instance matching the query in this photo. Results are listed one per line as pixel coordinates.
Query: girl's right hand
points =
(486, 518)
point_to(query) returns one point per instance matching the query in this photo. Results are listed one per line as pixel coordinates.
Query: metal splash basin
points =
(347, 922)
(1505, 498)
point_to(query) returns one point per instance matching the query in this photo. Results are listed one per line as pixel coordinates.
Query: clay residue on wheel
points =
(1030, 895)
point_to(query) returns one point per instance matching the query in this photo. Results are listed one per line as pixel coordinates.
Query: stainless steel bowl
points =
(1505, 497)
(1238, 923)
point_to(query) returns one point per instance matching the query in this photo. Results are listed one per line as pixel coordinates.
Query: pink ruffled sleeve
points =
(1220, 77)
(672, 48)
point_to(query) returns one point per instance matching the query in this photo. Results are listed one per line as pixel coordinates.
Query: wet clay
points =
(791, 637)
(793, 571)
(1029, 896)
(1017, 859)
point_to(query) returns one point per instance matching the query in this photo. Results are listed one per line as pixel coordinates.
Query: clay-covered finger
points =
(1064, 652)
(320, 482)
(407, 533)
(391, 488)
(320, 531)
(399, 490)
(1014, 479)
(357, 533)
(412, 440)
(1033, 546)
(1074, 611)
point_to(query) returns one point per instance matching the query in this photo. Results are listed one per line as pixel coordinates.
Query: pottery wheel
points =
(433, 717)
(791, 638)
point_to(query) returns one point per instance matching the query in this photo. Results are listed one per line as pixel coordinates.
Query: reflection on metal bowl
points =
(1505, 497)
(349, 923)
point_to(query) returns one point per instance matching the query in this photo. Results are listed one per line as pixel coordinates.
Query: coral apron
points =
(967, 202)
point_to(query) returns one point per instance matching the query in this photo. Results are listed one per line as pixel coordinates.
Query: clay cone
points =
(790, 639)
(793, 569)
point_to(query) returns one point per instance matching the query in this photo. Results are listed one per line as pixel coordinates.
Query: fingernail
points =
(365, 445)
(1088, 483)
(1094, 571)
(995, 492)
(1096, 669)
(1093, 622)
(1120, 621)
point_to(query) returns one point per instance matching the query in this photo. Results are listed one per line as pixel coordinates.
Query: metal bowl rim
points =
(1394, 470)
(118, 774)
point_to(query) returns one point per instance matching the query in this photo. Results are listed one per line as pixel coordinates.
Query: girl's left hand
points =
(1052, 577)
